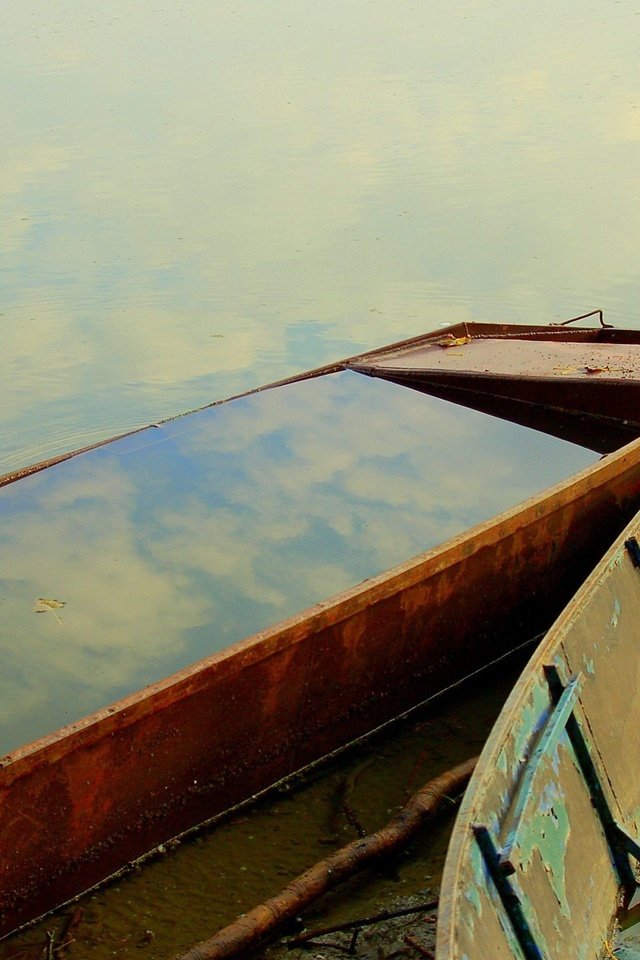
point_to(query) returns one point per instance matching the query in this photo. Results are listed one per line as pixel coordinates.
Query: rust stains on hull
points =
(81, 803)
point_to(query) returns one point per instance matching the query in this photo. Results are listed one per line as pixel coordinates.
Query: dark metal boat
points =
(85, 801)
(582, 385)
(547, 842)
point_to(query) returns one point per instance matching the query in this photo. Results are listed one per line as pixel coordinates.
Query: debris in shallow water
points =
(381, 917)
(345, 802)
(256, 925)
(47, 605)
(424, 951)
(44, 604)
(66, 934)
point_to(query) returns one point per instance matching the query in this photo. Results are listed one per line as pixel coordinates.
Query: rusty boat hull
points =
(582, 385)
(546, 845)
(82, 803)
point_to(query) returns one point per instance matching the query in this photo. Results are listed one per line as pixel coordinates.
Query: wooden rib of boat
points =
(547, 842)
(582, 385)
(80, 804)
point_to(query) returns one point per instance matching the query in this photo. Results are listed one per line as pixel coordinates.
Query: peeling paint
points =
(479, 881)
(472, 896)
(588, 664)
(509, 935)
(584, 953)
(547, 832)
(535, 783)
(560, 663)
(615, 616)
(532, 720)
(616, 561)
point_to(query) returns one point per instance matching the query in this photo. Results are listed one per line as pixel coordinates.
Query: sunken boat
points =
(181, 745)
(580, 384)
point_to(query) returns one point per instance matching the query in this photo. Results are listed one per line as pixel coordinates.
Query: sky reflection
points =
(199, 198)
(175, 542)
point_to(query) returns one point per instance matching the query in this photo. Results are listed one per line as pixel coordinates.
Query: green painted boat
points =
(545, 850)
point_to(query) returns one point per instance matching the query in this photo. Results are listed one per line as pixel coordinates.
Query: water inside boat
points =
(174, 542)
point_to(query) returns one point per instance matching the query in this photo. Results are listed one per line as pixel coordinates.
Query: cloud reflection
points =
(202, 198)
(176, 542)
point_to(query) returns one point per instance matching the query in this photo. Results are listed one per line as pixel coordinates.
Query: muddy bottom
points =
(196, 887)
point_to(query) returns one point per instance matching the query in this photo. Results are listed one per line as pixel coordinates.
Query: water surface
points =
(201, 197)
(172, 543)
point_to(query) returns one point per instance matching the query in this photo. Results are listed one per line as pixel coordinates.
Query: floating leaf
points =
(44, 604)
(450, 341)
(47, 605)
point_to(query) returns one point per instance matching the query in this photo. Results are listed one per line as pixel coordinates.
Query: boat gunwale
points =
(596, 336)
(507, 331)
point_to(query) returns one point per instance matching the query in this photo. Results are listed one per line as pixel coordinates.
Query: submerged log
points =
(261, 922)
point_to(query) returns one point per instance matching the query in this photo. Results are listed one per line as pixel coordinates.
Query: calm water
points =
(175, 542)
(199, 197)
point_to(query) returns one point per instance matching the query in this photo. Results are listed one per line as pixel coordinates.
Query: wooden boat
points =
(579, 384)
(546, 845)
(83, 802)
